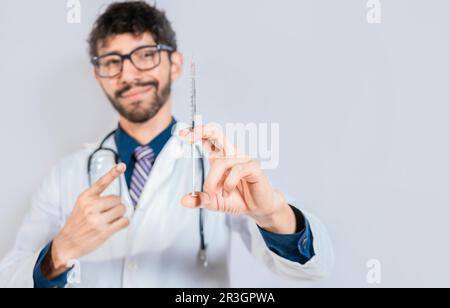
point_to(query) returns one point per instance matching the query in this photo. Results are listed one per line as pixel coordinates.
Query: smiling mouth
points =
(136, 93)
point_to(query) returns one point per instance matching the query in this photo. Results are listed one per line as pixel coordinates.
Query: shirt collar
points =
(126, 144)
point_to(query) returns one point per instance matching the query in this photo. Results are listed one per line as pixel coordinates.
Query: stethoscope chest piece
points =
(203, 258)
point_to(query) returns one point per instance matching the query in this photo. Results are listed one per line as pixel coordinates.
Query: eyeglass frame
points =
(159, 47)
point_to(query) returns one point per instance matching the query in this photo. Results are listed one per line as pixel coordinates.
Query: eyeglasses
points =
(144, 58)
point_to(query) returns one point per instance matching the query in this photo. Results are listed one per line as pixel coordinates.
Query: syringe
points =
(193, 119)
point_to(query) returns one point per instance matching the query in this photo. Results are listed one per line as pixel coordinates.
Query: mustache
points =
(128, 87)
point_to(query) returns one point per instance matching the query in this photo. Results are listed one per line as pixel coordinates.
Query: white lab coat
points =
(160, 247)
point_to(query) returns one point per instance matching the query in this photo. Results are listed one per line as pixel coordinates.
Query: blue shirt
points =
(126, 146)
(297, 247)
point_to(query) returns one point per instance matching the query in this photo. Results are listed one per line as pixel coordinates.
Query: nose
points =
(129, 72)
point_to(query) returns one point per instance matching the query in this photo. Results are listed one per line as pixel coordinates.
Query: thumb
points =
(200, 200)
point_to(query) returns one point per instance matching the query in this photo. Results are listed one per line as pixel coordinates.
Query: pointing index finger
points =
(102, 184)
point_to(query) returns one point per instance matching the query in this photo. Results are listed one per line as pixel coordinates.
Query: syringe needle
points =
(193, 118)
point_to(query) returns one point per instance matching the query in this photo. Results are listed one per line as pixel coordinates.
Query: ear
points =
(176, 67)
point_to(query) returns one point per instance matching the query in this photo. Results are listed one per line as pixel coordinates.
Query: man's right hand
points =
(93, 221)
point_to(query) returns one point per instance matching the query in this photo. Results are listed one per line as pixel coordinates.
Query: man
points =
(72, 221)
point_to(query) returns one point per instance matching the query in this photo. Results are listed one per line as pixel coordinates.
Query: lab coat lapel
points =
(159, 206)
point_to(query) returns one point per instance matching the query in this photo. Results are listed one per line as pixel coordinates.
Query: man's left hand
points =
(237, 185)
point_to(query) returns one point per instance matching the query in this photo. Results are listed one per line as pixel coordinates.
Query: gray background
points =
(363, 111)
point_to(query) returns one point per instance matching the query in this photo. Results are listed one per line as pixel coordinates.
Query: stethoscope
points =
(202, 254)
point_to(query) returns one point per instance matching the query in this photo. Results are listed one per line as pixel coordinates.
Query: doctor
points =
(142, 236)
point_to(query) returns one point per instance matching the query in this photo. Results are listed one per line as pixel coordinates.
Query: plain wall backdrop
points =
(363, 112)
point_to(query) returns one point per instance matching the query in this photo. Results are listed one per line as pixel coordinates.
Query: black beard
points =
(140, 116)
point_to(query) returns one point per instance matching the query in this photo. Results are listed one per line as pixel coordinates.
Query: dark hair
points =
(135, 17)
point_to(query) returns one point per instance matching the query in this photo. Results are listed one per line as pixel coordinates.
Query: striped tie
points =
(144, 162)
